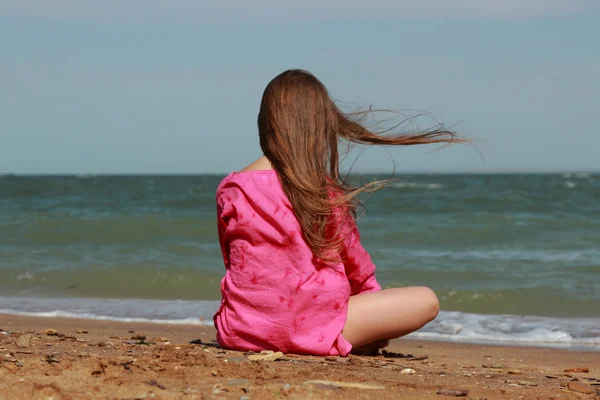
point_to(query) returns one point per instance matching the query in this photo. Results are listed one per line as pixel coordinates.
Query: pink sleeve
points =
(360, 270)
(224, 213)
(229, 199)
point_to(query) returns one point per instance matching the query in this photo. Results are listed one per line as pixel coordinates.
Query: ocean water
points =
(513, 258)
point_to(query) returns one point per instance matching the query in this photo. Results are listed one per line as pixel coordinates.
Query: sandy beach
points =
(54, 358)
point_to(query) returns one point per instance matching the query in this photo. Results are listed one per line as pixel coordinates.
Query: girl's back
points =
(274, 294)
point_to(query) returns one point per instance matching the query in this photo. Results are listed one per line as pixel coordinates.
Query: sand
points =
(106, 363)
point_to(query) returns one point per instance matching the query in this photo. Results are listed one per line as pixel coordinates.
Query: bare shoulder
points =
(258, 165)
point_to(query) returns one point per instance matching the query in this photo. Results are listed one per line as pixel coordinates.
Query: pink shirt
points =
(274, 297)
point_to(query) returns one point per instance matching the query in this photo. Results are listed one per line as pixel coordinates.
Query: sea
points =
(514, 259)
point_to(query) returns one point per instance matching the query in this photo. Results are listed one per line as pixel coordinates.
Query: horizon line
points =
(458, 172)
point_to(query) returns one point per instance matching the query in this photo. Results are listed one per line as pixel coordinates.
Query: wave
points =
(414, 185)
(580, 175)
(64, 314)
(113, 309)
(449, 326)
(584, 255)
(513, 329)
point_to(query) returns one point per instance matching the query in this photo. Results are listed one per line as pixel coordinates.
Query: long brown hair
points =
(299, 127)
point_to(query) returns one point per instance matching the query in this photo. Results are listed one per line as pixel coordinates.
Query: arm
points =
(224, 213)
(360, 270)
(234, 219)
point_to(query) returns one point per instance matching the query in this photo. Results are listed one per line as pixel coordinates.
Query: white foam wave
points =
(524, 330)
(580, 175)
(125, 310)
(570, 185)
(414, 185)
(589, 256)
(449, 326)
(65, 314)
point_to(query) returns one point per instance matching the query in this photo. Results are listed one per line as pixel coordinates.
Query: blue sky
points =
(136, 86)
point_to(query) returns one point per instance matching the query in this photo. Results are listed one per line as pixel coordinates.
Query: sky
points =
(148, 86)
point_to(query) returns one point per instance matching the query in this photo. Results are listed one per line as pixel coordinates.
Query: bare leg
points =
(388, 314)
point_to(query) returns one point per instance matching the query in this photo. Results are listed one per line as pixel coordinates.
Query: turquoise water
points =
(515, 246)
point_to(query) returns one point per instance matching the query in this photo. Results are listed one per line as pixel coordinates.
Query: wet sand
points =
(140, 361)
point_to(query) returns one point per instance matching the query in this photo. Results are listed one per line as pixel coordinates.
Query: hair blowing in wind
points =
(300, 128)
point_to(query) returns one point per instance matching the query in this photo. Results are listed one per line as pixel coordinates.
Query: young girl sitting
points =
(297, 277)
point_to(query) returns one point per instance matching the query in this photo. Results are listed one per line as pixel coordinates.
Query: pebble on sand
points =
(522, 383)
(453, 392)
(581, 369)
(265, 357)
(514, 371)
(408, 371)
(9, 358)
(24, 341)
(580, 387)
(494, 366)
(218, 389)
(51, 332)
(338, 384)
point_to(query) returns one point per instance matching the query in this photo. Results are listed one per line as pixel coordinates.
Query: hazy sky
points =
(148, 86)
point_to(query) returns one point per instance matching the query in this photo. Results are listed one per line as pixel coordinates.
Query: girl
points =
(297, 278)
